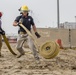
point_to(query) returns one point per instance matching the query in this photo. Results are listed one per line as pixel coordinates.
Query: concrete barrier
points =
(73, 37)
(45, 35)
(53, 34)
(62, 34)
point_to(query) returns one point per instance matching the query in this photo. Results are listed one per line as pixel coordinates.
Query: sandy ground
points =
(63, 64)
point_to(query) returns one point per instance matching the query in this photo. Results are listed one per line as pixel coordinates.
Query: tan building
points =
(68, 25)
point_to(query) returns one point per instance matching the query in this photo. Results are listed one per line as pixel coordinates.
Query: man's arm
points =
(15, 23)
(35, 30)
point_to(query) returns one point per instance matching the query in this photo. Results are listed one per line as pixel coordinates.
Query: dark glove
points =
(37, 34)
(2, 32)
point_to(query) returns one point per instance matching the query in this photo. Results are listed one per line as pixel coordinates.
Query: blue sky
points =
(44, 12)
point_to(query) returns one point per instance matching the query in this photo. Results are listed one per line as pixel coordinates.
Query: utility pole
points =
(75, 22)
(58, 16)
(75, 19)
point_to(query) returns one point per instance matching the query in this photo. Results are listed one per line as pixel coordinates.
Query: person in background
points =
(27, 21)
(2, 32)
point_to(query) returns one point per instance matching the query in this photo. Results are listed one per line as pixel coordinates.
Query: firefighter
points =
(2, 32)
(27, 21)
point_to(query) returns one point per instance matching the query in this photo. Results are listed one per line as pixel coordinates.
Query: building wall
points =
(49, 34)
(68, 25)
